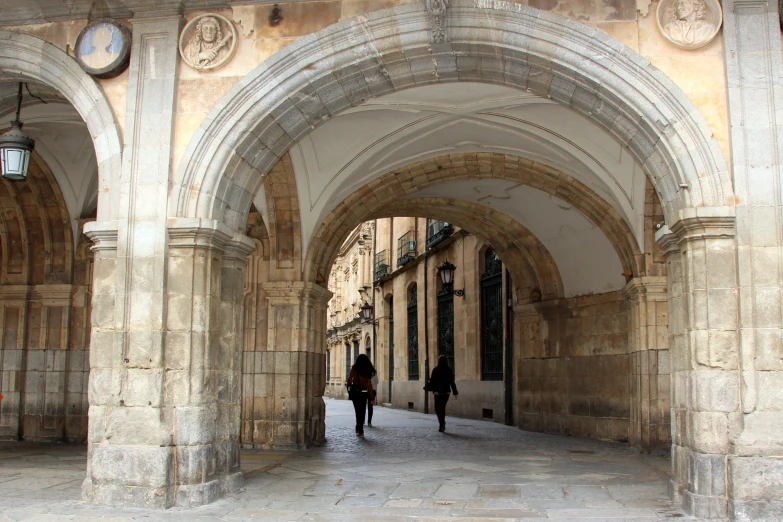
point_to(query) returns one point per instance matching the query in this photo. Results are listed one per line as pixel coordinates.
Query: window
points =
(328, 365)
(391, 339)
(347, 361)
(437, 231)
(446, 326)
(381, 264)
(406, 248)
(491, 282)
(413, 336)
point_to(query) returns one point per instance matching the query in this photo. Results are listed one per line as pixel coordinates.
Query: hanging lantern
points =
(15, 147)
(446, 272)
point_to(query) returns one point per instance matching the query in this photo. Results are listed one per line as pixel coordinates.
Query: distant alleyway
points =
(403, 470)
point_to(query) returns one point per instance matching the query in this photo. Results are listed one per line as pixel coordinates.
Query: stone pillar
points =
(203, 357)
(132, 453)
(288, 409)
(649, 362)
(754, 73)
(705, 380)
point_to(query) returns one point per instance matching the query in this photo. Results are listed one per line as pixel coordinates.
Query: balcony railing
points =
(437, 231)
(406, 248)
(382, 267)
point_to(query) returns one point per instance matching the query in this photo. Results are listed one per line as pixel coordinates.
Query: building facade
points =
(200, 166)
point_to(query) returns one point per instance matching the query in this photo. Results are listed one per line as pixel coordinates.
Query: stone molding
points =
(25, 57)
(292, 92)
(103, 234)
(654, 287)
(705, 227)
(209, 234)
(668, 240)
(295, 292)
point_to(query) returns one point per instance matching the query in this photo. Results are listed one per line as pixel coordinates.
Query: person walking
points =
(360, 389)
(441, 384)
(371, 400)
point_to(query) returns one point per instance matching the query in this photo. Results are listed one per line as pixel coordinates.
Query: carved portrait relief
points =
(208, 42)
(689, 24)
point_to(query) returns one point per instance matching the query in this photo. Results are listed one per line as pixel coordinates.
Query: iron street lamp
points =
(446, 273)
(15, 147)
(368, 314)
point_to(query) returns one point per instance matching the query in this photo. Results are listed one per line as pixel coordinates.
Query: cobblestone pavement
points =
(402, 470)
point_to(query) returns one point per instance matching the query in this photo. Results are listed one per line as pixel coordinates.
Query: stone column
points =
(705, 380)
(649, 361)
(288, 407)
(203, 357)
(754, 73)
(132, 458)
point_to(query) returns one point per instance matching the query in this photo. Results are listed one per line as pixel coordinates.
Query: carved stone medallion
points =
(103, 48)
(689, 24)
(208, 42)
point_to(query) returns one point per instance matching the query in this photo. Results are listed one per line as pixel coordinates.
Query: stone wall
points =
(45, 304)
(574, 368)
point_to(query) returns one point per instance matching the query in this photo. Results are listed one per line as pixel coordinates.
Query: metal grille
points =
(406, 248)
(391, 339)
(382, 267)
(492, 318)
(437, 231)
(355, 350)
(446, 327)
(413, 336)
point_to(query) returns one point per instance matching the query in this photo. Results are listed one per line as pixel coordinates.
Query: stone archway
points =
(361, 58)
(26, 57)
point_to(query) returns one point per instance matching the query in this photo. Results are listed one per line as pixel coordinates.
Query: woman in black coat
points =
(441, 384)
(360, 381)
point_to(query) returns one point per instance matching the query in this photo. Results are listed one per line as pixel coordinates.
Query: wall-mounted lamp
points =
(446, 273)
(368, 313)
(15, 147)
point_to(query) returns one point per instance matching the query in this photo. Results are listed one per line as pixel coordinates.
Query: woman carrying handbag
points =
(360, 389)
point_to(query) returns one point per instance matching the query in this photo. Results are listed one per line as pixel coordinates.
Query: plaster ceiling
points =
(64, 143)
(386, 133)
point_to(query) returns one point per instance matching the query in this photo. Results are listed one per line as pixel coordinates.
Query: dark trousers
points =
(369, 412)
(359, 405)
(440, 407)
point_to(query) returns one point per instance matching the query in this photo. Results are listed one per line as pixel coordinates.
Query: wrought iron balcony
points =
(437, 231)
(382, 267)
(406, 248)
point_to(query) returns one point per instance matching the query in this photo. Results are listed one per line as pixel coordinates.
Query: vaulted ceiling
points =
(388, 133)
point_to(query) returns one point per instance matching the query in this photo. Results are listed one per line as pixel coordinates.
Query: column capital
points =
(292, 292)
(652, 287)
(668, 240)
(705, 223)
(209, 234)
(103, 235)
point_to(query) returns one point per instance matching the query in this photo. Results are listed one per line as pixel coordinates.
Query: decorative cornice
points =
(669, 241)
(209, 234)
(103, 235)
(655, 287)
(705, 223)
(293, 292)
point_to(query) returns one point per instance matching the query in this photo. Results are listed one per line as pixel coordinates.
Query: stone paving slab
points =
(403, 470)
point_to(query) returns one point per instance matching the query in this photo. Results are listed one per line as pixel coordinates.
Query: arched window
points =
(492, 318)
(413, 335)
(347, 361)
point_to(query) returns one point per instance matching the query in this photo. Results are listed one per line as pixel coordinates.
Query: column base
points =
(703, 506)
(200, 494)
